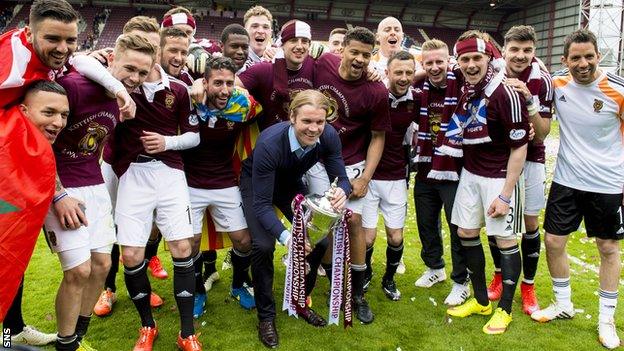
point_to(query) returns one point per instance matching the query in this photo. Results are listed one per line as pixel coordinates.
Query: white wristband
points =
(532, 109)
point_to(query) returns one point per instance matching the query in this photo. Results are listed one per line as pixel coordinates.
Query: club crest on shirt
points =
(598, 105)
(332, 109)
(169, 100)
(91, 141)
(292, 93)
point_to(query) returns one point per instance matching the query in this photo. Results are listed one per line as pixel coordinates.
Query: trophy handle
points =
(306, 210)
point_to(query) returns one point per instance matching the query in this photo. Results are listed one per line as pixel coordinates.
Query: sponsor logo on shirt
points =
(562, 98)
(517, 134)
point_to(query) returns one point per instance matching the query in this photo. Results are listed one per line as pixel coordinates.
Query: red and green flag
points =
(27, 173)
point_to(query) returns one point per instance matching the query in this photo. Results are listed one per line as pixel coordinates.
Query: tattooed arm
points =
(58, 187)
(69, 211)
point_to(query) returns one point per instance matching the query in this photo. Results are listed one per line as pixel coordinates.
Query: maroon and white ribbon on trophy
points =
(340, 290)
(294, 286)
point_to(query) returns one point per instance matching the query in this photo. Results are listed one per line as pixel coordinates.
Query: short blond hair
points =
(143, 24)
(434, 44)
(315, 99)
(257, 11)
(473, 33)
(135, 42)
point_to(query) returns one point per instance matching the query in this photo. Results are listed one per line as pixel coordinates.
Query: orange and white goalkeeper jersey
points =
(591, 151)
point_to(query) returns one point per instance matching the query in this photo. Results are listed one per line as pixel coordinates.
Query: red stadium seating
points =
(212, 24)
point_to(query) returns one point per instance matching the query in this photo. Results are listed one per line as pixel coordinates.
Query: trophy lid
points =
(322, 204)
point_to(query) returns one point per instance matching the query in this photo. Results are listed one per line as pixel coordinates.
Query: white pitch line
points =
(588, 266)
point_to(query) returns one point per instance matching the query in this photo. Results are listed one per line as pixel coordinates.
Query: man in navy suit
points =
(283, 153)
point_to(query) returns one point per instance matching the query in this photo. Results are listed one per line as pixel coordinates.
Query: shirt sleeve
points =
(417, 94)
(93, 69)
(263, 176)
(546, 96)
(250, 78)
(188, 122)
(334, 164)
(514, 117)
(71, 88)
(381, 110)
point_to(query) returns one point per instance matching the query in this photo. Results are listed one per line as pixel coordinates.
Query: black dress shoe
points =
(362, 310)
(312, 317)
(268, 334)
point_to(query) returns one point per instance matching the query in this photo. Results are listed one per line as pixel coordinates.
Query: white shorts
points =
(318, 182)
(225, 206)
(98, 236)
(389, 196)
(146, 187)
(111, 181)
(534, 185)
(474, 196)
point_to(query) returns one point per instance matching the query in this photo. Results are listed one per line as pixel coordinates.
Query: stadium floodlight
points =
(605, 18)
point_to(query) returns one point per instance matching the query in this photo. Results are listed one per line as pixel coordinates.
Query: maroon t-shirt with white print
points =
(258, 80)
(362, 107)
(93, 117)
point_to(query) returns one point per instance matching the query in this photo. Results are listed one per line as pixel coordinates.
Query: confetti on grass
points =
(433, 301)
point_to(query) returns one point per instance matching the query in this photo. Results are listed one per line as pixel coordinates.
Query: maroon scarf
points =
(532, 76)
(468, 125)
(443, 167)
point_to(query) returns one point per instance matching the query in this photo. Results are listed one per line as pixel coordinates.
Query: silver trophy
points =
(319, 215)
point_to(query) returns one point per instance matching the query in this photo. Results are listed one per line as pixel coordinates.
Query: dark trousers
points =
(263, 247)
(429, 198)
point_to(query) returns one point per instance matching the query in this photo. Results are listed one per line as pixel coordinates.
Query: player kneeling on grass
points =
(492, 131)
(588, 179)
(79, 225)
(212, 181)
(387, 189)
